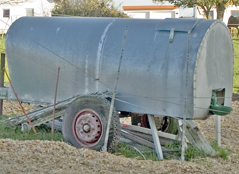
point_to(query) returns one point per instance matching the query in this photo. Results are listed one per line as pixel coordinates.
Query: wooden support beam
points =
(192, 133)
(137, 139)
(163, 141)
(196, 138)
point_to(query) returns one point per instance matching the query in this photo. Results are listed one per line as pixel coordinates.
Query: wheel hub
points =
(87, 128)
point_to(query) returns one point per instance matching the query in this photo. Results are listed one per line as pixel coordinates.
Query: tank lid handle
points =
(179, 25)
(171, 35)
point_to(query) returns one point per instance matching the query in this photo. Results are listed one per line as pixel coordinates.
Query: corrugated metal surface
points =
(153, 76)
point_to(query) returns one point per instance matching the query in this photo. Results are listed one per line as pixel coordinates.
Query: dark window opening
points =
(6, 13)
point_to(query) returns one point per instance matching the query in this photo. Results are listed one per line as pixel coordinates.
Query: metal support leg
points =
(155, 137)
(2, 79)
(180, 127)
(218, 129)
(180, 131)
(183, 139)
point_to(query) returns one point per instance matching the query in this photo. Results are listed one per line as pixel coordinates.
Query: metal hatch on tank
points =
(154, 70)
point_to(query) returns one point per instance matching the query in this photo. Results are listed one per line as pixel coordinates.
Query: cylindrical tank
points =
(169, 67)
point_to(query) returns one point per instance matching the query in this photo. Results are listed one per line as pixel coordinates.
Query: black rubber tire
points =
(135, 120)
(173, 127)
(99, 105)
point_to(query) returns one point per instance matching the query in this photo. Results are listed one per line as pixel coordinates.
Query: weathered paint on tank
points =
(159, 75)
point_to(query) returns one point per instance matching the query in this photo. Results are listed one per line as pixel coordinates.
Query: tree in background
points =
(91, 8)
(12, 2)
(206, 5)
(221, 6)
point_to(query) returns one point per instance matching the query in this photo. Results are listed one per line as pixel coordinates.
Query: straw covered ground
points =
(58, 157)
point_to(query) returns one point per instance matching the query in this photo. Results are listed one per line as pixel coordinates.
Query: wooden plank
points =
(195, 136)
(133, 141)
(137, 139)
(148, 131)
(25, 127)
(47, 118)
(163, 141)
(38, 114)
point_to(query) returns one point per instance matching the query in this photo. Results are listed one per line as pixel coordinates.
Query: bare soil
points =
(58, 157)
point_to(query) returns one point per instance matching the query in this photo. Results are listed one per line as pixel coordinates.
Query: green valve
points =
(218, 109)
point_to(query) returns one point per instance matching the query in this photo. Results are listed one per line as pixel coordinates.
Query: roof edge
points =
(152, 7)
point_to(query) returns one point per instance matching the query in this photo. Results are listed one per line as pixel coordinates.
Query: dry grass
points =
(230, 140)
(58, 157)
(12, 107)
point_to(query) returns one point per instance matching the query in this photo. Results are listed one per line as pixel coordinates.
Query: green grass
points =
(191, 152)
(2, 50)
(236, 66)
(130, 152)
(43, 134)
(220, 151)
(2, 44)
(143, 153)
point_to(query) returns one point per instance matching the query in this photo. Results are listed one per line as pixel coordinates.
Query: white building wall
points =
(148, 14)
(181, 12)
(138, 15)
(153, 14)
(120, 3)
(41, 8)
(164, 14)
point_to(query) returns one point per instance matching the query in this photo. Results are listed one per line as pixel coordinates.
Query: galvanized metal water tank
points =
(169, 67)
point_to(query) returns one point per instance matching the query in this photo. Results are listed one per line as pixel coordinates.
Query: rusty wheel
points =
(87, 128)
(85, 122)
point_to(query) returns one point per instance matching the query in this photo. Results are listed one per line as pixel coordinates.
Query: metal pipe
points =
(54, 107)
(218, 129)
(185, 104)
(104, 148)
(2, 79)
